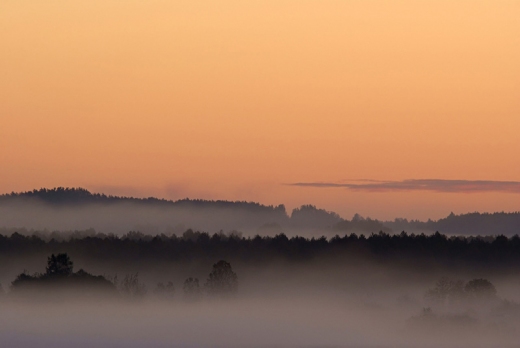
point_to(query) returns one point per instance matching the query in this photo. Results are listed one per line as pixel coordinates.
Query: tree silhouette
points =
(415, 252)
(480, 289)
(59, 265)
(131, 288)
(222, 280)
(165, 291)
(59, 277)
(191, 288)
(446, 291)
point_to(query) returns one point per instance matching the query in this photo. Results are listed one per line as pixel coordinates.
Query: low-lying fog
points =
(281, 306)
(117, 218)
(78, 209)
(120, 218)
(288, 322)
(349, 291)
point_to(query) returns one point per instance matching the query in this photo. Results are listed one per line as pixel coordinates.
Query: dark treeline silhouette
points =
(78, 196)
(308, 216)
(263, 219)
(80, 205)
(76, 205)
(360, 224)
(59, 275)
(410, 250)
(472, 223)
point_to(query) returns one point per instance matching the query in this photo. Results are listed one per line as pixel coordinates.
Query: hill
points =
(70, 209)
(79, 209)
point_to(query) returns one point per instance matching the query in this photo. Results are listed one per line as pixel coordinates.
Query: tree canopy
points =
(222, 280)
(59, 265)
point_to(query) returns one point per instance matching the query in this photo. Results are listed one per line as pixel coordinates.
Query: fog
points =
(241, 323)
(151, 218)
(113, 288)
(119, 218)
(319, 304)
(77, 209)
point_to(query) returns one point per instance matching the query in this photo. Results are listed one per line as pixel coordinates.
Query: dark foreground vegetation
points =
(412, 288)
(59, 281)
(59, 277)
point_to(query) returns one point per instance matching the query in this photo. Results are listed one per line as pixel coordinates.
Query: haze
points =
(238, 100)
(339, 297)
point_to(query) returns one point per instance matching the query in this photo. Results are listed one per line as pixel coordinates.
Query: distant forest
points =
(166, 216)
(78, 196)
(424, 251)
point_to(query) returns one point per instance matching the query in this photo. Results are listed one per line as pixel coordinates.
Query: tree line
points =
(498, 252)
(59, 275)
(269, 218)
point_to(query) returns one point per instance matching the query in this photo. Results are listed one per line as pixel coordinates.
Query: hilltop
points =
(79, 209)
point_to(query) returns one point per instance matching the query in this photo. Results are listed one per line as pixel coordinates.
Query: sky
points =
(383, 108)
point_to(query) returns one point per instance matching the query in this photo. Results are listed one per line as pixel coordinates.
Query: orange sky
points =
(234, 99)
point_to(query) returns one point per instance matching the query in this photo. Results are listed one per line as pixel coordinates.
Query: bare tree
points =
(131, 287)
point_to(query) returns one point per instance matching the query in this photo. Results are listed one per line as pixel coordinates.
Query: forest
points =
(436, 249)
(59, 281)
(77, 208)
(251, 266)
(424, 284)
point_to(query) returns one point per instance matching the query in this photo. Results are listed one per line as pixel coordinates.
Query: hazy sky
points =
(237, 99)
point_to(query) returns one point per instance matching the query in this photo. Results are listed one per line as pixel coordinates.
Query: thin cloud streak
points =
(436, 185)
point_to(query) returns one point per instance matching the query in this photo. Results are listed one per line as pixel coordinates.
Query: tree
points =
(131, 287)
(59, 277)
(480, 289)
(59, 265)
(165, 291)
(191, 288)
(446, 291)
(222, 280)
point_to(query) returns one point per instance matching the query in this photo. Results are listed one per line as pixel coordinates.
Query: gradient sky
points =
(240, 99)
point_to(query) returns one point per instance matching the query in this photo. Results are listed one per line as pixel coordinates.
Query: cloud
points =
(436, 185)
